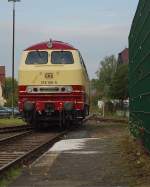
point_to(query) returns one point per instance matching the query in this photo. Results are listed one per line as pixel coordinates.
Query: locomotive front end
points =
(52, 84)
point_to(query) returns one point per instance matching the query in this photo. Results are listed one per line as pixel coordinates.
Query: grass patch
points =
(9, 177)
(11, 122)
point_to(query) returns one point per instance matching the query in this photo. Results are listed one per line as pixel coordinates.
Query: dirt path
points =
(91, 156)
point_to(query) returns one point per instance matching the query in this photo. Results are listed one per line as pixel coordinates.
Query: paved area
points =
(90, 156)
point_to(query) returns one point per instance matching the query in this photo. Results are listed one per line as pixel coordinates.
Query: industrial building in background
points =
(123, 56)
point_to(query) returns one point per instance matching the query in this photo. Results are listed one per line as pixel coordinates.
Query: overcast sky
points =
(96, 27)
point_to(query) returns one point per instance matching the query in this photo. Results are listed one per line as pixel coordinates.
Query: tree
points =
(105, 74)
(111, 82)
(119, 83)
(95, 93)
(8, 91)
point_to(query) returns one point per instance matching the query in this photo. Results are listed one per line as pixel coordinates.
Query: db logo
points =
(49, 75)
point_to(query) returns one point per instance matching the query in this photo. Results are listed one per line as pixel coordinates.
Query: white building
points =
(2, 100)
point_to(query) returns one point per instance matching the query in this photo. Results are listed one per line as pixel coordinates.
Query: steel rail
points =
(14, 128)
(13, 137)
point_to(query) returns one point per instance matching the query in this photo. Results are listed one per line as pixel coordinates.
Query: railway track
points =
(21, 128)
(25, 147)
(11, 136)
(15, 129)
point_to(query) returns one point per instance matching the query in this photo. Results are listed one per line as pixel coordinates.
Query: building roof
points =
(54, 45)
(123, 56)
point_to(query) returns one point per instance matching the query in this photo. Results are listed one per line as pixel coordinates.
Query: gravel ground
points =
(89, 156)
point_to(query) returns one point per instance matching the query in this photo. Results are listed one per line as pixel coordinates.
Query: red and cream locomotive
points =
(53, 84)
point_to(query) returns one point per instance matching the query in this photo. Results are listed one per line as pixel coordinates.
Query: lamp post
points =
(13, 55)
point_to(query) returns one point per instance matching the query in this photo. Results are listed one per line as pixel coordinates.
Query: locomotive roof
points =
(55, 45)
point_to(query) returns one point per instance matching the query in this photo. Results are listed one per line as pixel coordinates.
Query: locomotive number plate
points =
(48, 82)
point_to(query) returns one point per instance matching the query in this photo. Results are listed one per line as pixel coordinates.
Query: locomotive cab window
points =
(62, 57)
(37, 57)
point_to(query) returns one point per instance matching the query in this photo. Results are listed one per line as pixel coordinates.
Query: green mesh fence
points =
(139, 73)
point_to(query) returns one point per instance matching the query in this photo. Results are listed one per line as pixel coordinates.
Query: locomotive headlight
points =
(68, 89)
(29, 89)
